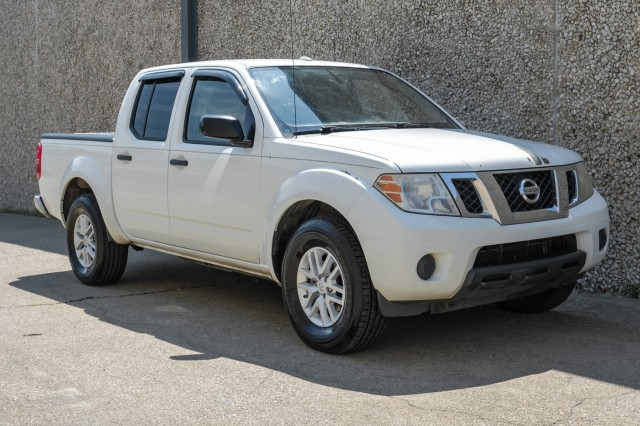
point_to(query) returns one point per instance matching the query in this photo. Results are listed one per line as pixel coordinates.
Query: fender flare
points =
(308, 185)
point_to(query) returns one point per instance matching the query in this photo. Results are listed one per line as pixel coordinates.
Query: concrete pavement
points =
(179, 343)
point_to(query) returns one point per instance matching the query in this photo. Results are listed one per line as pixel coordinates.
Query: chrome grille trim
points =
(572, 186)
(472, 178)
(495, 203)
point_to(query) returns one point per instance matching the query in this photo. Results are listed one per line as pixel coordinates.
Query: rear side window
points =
(152, 112)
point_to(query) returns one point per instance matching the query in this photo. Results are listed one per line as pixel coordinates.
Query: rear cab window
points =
(154, 105)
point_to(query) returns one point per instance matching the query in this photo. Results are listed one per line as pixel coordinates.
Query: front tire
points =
(95, 258)
(326, 287)
(538, 303)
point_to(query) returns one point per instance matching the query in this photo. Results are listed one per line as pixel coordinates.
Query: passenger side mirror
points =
(224, 127)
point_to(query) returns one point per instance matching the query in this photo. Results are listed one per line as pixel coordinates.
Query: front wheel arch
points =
(290, 221)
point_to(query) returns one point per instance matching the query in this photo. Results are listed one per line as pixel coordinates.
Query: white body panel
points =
(214, 200)
(225, 205)
(441, 151)
(140, 189)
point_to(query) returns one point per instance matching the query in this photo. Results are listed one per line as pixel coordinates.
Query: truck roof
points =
(254, 63)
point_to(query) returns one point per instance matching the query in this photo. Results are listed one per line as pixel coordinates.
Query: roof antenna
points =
(293, 72)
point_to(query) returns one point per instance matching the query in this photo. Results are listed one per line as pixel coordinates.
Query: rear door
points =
(214, 185)
(142, 159)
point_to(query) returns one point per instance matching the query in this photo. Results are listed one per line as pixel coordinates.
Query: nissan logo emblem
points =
(529, 191)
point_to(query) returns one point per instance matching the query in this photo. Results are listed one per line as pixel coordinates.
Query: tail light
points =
(39, 161)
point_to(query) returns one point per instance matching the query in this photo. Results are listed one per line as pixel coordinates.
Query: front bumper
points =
(393, 242)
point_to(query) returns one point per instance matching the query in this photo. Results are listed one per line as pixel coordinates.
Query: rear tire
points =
(538, 303)
(95, 258)
(326, 287)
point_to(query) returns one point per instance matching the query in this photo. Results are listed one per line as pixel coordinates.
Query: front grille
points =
(522, 251)
(510, 185)
(468, 195)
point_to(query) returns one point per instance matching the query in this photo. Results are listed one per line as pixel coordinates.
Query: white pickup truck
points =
(342, 183)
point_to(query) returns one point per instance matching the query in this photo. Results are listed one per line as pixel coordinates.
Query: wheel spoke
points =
(83, 225)
(335, 273)
(333, 299)
(333, 312)
(91, 253)
(335, 287)
(314, 310)
(325, 266)
(308, 293)
(316, 262)
(91, 243)
(307, 273)
(324, 311)
(79, 244)
(89, 233)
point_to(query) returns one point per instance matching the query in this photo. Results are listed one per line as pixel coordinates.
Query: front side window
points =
(214, 96)
(152, 113)
(309, 98)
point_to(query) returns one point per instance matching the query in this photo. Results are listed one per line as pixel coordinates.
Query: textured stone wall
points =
(65, 67)
(488, 61)
(557, 71)
(599, 117)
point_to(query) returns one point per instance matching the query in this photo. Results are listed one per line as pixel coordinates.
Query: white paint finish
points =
(436, 150)
(69, 159)
(140, 190)
(214, 200)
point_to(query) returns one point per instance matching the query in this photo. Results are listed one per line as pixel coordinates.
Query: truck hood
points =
(440, 150)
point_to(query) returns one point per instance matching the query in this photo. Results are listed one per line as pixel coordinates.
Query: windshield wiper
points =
(328, 129)
(425, 126)
(372, 126)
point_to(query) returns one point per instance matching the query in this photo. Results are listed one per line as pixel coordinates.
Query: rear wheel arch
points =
(74, 189)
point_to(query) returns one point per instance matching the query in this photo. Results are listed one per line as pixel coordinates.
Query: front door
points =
(214, 185)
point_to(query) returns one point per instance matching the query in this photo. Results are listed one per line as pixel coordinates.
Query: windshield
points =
(341, 99)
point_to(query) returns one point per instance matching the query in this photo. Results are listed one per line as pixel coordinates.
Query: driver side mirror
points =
(224, 127)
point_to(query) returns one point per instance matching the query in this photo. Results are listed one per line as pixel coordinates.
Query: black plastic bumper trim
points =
(496, 283)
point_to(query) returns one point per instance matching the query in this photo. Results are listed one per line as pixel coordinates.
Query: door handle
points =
(124, 157)
(176, 162)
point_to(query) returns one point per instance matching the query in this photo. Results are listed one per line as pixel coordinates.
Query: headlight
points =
(585, 184)
(418, 193)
